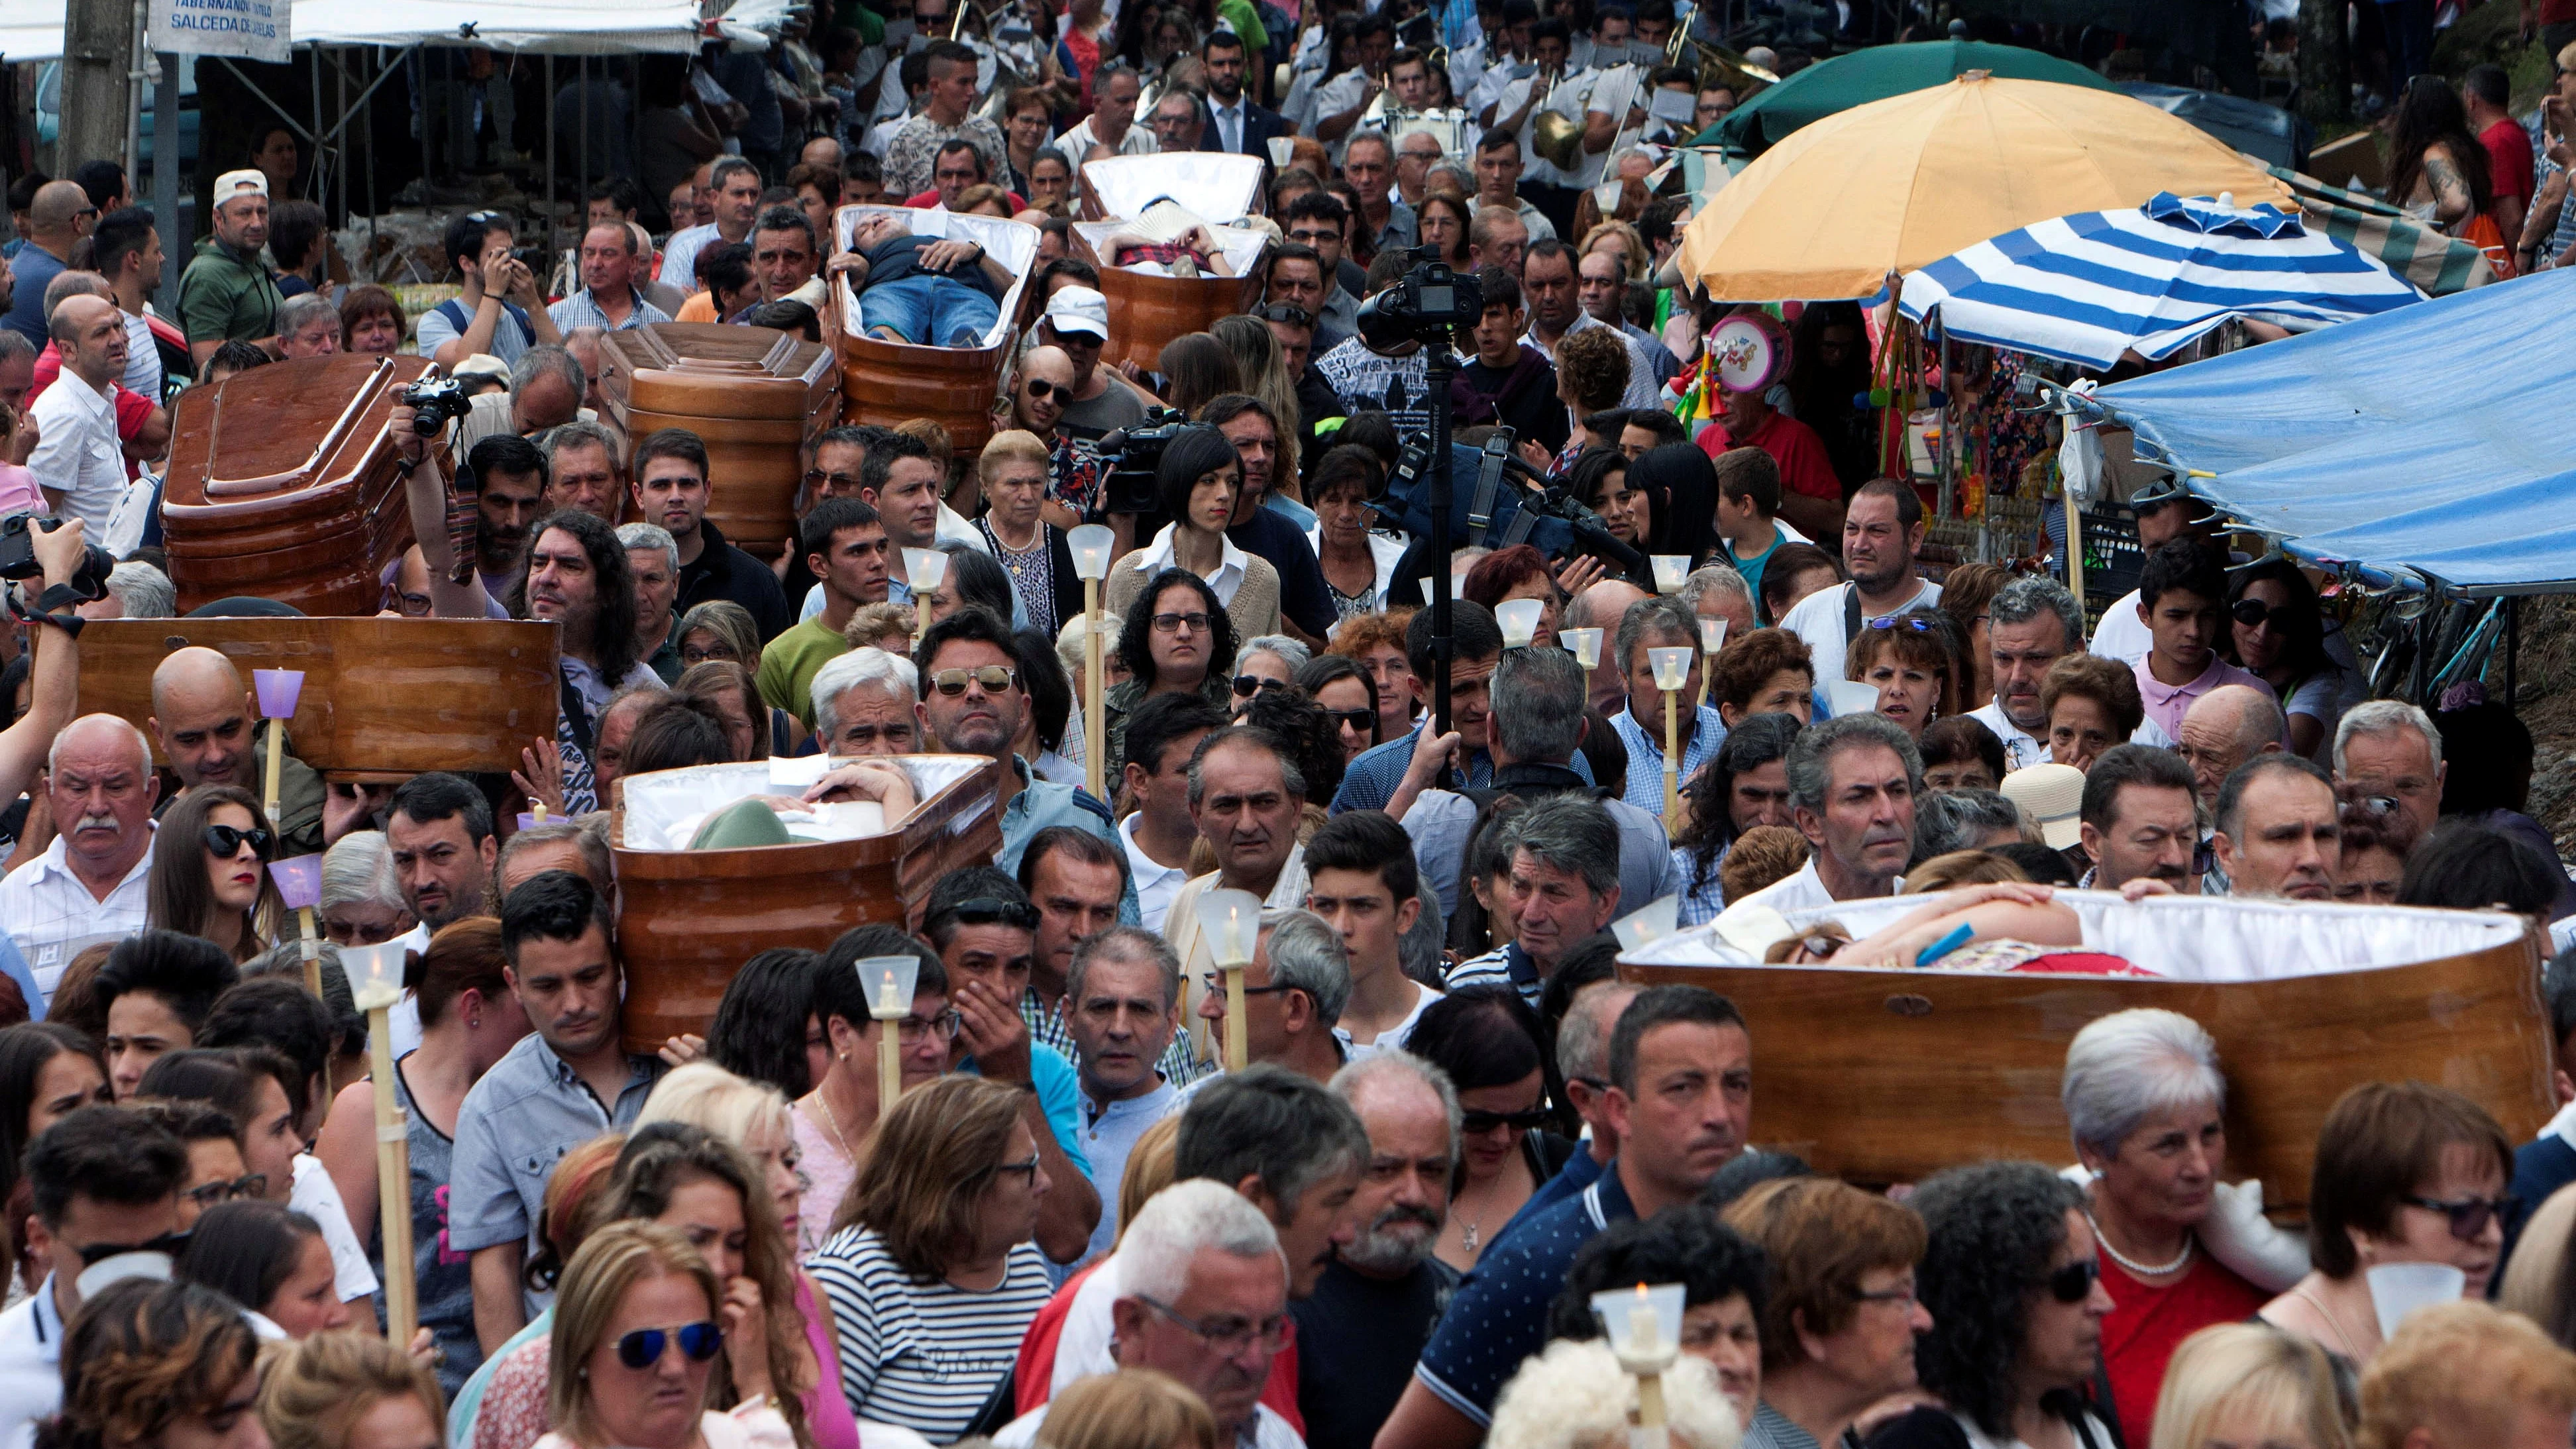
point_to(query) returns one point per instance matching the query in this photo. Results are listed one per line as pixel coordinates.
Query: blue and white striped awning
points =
(2089, 287)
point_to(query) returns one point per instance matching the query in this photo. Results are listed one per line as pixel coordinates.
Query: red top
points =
(931, 198)
(2147, 1324)
(1793, 445)
(2509, 159)
(1034, 1373)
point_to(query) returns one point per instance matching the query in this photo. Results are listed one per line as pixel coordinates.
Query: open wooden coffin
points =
(281, 485)
(381, 696)
(1885, 1076)
(754, 395)
(688, 919)
(890, 383)
(1147, 309)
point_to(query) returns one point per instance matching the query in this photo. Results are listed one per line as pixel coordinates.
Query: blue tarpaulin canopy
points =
(2431, 438)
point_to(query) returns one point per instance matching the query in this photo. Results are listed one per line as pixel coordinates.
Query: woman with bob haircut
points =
(1129, 1409)
(2092, 703)
(2405, 1173)
(934, 1256)
(1197, 483)
(1767, 671)
(636, 1335)
(349, 1391)
(2250, 1384)
(1839, 1311)
(1912, 660)
(2148, 1107)
(155, 1365)
(1176, 639)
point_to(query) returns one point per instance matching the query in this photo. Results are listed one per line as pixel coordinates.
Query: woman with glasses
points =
(219, 891)
(1197, 482)
(1838, 1309)
(933, 1276)
(1443, 221)
(269, 1258)
(1486, 1039)
(1174, 635)
(1912, 660)
(1746, 784)
(637, 1334)
(469, 1020)
(2276, 630)
(2016, 1300)
(2092, 703)
(719, 629)
(362, 901)
(2405, 1173)
(2147, 1104)
(1346, 694)
(1268, 662)
(834, 1122)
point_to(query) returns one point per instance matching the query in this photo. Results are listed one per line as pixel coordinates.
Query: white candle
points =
(885, 997)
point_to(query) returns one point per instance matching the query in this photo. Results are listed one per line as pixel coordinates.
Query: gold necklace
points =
(834, 1122)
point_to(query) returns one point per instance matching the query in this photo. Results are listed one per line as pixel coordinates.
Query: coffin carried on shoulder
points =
(1148, 309)
(754, 395)
(282, 486)
(1883, 1075)
(891, 383)
(380, 697)
(688, 919)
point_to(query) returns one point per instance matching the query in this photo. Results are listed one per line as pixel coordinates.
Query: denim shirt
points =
(515, 1124)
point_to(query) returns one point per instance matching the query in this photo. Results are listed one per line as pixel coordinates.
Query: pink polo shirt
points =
(2168, 703)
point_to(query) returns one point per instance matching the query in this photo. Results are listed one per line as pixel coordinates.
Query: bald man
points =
(1601, 607)
(205, 721)
(89, 882)
(58, 217)
(2222, 730)
(79, 460)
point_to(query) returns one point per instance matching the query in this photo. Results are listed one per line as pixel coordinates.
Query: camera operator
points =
(1394, 378)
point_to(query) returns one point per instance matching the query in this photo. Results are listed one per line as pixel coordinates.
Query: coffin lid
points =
(260, 436)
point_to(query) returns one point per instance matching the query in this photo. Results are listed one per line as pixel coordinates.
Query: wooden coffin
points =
(688, 919)
(282, 485)
(755, 396)
(891, 383)
(1147, 310)
(1884, 1076)
(381, 695)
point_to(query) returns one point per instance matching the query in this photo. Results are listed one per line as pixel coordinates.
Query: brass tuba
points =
(1555, 136)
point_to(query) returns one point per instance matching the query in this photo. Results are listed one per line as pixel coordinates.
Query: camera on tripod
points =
(1432, 303)
(1133, 455)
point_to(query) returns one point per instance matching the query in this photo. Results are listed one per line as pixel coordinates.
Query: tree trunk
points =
(2325, 62)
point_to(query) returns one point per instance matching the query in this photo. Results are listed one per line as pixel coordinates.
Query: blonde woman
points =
(2249, 1384)
(1130, 1409)
(349, 1391)
(636, 1334)
(1266, 376)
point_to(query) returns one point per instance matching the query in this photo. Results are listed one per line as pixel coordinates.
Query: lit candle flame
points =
(885, 995)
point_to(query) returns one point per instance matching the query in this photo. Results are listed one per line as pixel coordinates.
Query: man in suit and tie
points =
(1234, 123)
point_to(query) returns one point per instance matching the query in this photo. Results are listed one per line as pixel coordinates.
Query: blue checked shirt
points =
(1646, 755)
(582, 310)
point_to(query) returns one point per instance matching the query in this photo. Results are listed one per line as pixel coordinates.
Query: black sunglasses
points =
(97, 1253)
(1358, 719)
(1294, 316)
(645, 1346)
(2469, 1216)
(225, 840)
(1477, 1123)
(1248, 685)
(1042, 389)
(988, 910)
(2074, 1282)
(2251, 612)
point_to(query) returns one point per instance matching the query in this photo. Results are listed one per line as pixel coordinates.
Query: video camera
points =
(18, 556)
(1432, 303)
(1497, 509)
(1133, 455)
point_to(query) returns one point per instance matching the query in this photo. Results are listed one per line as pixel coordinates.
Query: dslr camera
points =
(1133, 454)
(18, 556)
(435, 402)
(1431, 304)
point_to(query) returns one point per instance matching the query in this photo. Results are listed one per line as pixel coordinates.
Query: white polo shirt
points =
(77, 453)
(31, 1366)
(47, 912)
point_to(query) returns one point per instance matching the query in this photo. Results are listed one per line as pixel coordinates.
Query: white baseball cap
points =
(236, 183)
(1079, 309)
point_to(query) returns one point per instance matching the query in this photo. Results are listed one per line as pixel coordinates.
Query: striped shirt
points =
(1505, 965)
(581, 309)
(925, 1356)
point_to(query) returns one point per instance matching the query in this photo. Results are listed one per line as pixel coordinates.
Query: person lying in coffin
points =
(940, 292)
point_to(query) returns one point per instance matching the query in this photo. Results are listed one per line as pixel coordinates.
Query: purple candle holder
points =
(299, 881)
(278, 690)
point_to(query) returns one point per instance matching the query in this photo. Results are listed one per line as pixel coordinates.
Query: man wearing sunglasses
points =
(105, 1181)
(204, 719)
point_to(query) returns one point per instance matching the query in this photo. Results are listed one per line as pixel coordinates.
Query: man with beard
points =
(1881, 531)
(203, 715)
(1122, 995)
(227, 292)
(1235, 123)
(2138, 820)
(1852, 783)
(511, 478)
(1374, 1307)
(438, 830)
(566, 1082)
(2030, 625)
(971, 703)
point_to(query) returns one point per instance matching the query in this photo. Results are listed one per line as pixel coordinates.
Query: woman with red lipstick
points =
(210, 871)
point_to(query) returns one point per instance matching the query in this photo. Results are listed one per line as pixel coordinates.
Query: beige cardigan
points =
(1254, 610)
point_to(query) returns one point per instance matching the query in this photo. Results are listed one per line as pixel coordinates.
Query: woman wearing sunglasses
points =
(2405, 1173)
(219, 891)
(2015, 1295)
(636, 1336)
(1486, 1039)
(1267, 663)
(933, 1276)
(1343, 689)
(2276, 630)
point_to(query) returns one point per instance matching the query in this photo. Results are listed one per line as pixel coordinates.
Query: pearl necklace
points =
(2136, 1268)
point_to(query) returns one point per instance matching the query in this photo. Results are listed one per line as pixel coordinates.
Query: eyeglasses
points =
(2253, 612)
(207, 1194)
(2469, 1215)
(226, 840)
(914, 1028)
(2074, 1282)
(1248, 685)
(1357, 719)
(86, 213)
(1175, 623)
(994, 678)
(1476, 1124)
(645, 1346)
(1042, 389)
(1028, 1168)
(1309, 238)
(1228, 1336)
(1294, 316)
(1215, 982)
(817, 478)
(97, 1253)
(1904, 1295)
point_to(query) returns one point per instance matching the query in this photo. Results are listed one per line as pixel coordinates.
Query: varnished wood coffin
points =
(688, 919)
(891, 383)
(1885, 1076)
(282, 485)
(755, 396)
(381, 696)
(1148, 310)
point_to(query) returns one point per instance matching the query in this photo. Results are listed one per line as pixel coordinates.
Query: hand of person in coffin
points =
(2138, 888)
(683, 1049)
(949, 255)
(540, 776)
(991, 1031)
(886, 784)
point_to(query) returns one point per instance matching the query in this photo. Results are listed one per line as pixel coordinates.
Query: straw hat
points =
(2052, 795)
